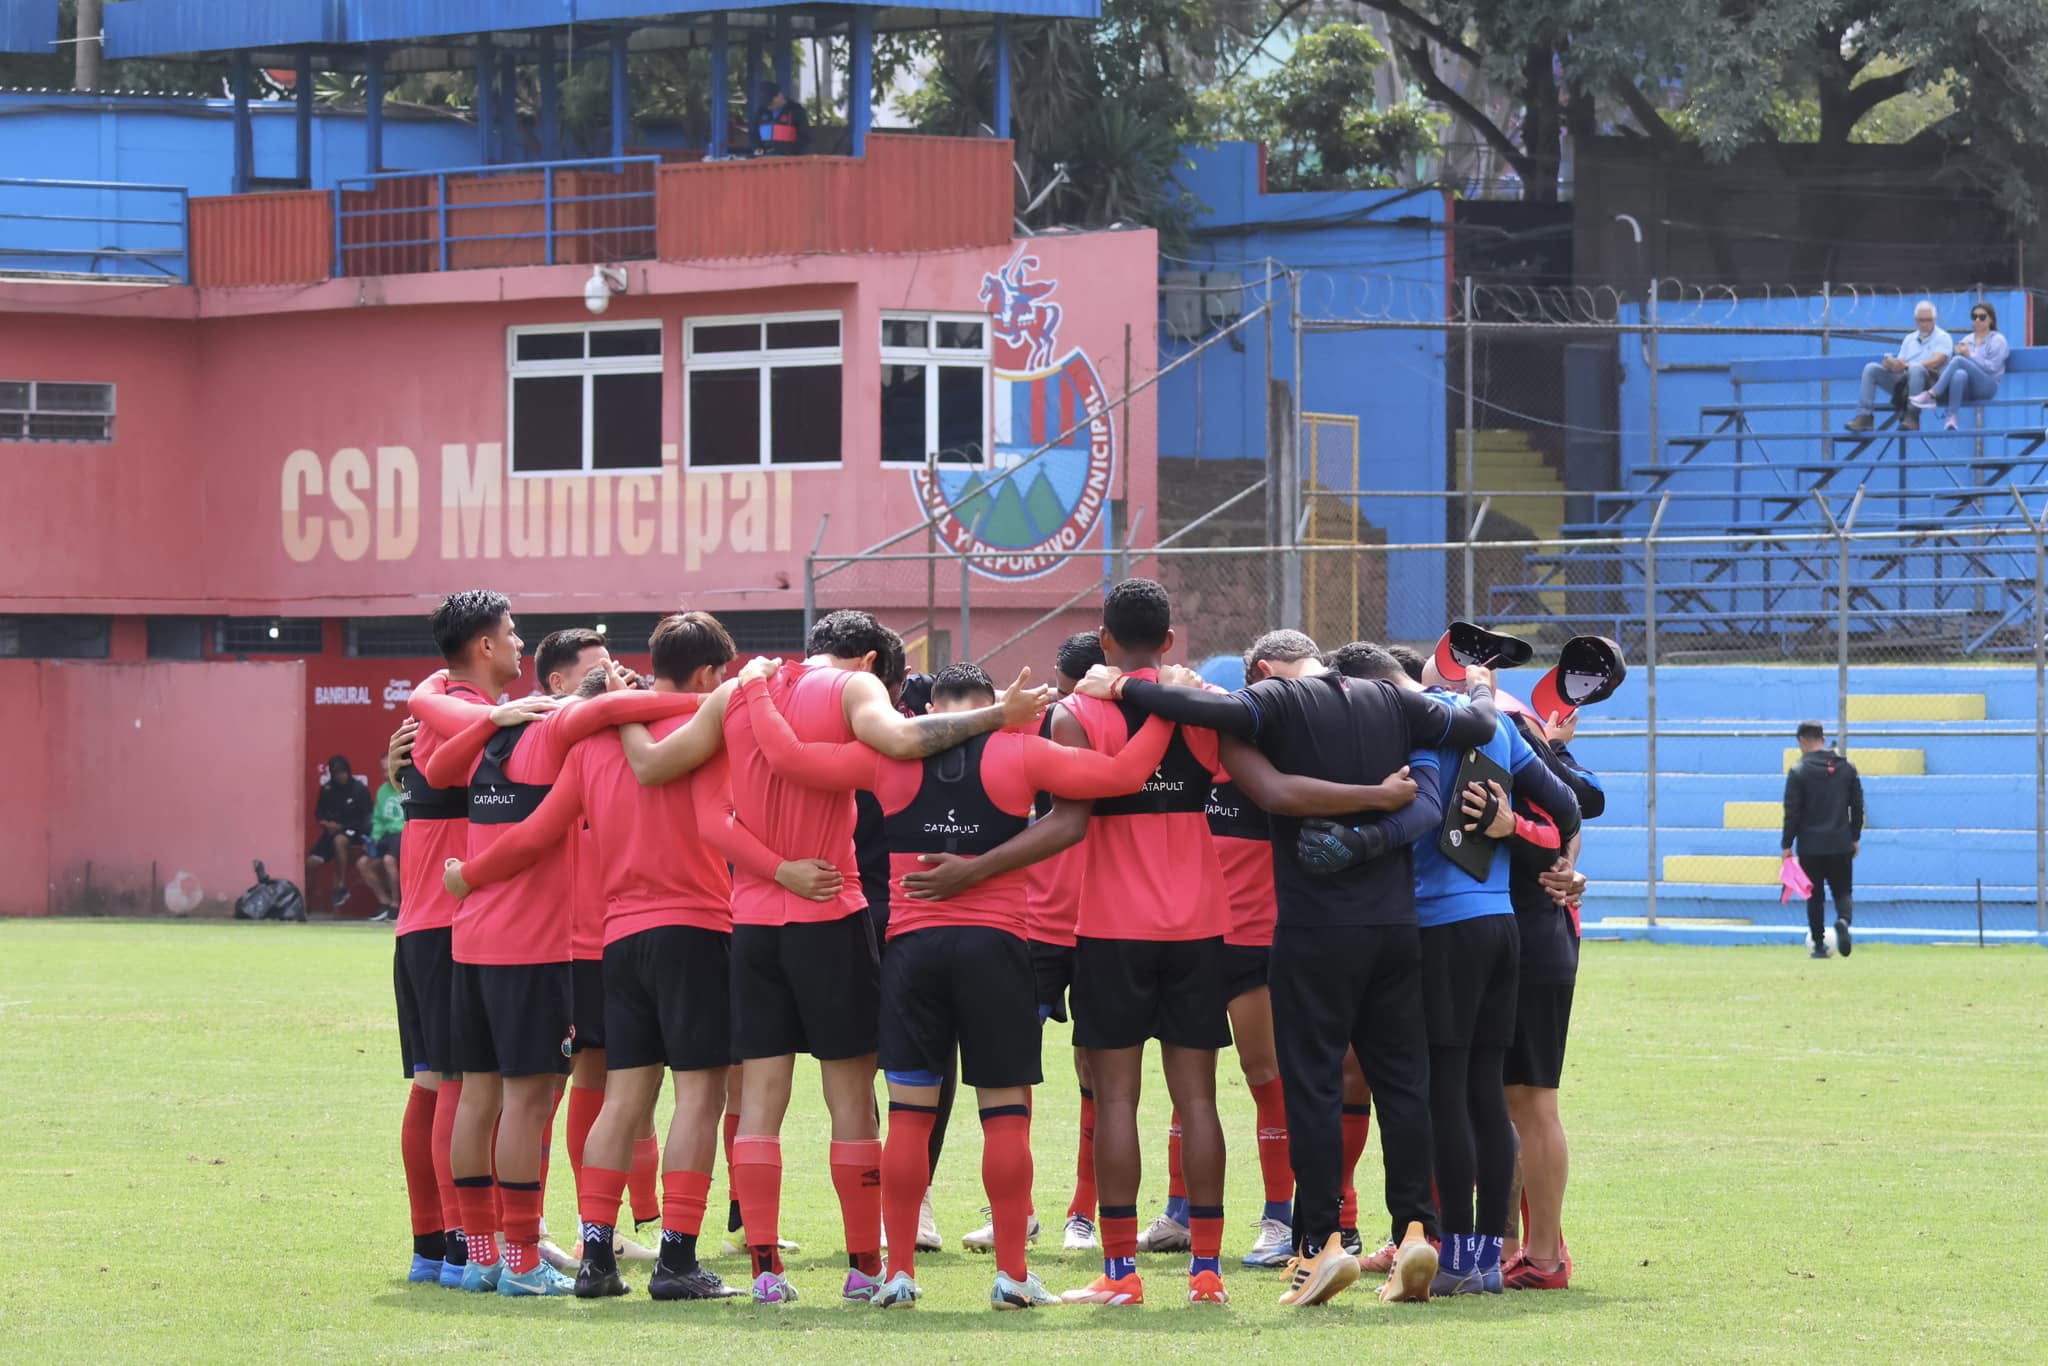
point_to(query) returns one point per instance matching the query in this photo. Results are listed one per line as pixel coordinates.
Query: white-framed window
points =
(55, 410)
(584, 398)
(935, 388)
(762, 390)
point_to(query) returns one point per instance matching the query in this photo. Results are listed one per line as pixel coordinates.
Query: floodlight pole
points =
(1650, 730)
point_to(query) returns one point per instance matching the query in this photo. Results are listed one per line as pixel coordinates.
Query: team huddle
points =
(1358, 871)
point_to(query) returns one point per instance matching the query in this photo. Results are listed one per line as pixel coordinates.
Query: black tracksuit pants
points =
(1352, 987)
(1828, 873)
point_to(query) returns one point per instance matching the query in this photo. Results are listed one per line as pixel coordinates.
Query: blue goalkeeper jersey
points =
(1444, 892)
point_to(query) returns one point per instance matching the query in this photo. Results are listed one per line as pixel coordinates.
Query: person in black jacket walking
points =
(1824, 817)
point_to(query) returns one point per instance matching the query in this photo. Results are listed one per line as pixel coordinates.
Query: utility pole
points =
(86, 74)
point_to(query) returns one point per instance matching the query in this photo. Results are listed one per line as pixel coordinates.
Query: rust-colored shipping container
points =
(262, 239)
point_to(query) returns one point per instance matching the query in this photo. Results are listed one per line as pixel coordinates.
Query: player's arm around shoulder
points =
(683, 749)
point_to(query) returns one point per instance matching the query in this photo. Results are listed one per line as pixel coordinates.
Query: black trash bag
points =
(271, 899)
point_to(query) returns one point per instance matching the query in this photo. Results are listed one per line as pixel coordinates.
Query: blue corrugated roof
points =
(28, 25)
(156, 28)
(147, 28)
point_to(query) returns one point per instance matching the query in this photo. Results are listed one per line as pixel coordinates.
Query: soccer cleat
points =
(1321, 1278)
(928, 1239)
(983, 1239)
(1081, 1234)
(626, 1250)
(451, 1275)
(424, 1271)
(1844, 941)
(384, 916)
(1353, 1244)
(1819, 950)
(1523, 1274)
(1206, 1287)
(694, 1284)
(1029, 1293)
(567, 1263)
(1381, 1263)
(1274, 1245)
(1164, 1234)
(1128, 1291)
(1474, 1282)
(898, 1292)
(772, 1287)
(1414, 1270)
(479, 1279)
(861, 1288)
(542, 1280)
(592, 1284)
(735, 1244)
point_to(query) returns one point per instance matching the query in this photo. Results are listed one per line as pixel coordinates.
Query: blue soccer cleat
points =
(542, 1280)
(425, 1270)
(478, 1279)
(451, 1275)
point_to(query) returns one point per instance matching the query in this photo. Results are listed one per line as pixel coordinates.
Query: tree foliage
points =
(1315, 112)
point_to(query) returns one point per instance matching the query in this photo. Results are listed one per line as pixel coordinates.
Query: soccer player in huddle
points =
(956, 973)
(512, 1006)
(806, 975)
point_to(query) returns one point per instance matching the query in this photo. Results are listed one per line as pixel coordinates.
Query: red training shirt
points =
(424, 903)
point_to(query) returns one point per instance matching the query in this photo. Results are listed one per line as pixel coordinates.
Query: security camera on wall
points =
(599, 288)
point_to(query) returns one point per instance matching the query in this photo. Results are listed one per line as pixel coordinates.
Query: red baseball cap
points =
(1589, 669)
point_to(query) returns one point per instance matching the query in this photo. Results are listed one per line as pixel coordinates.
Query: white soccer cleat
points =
(1165, 1235)
(1081, 1234)
(560, 1260)
(928, 1239)
(1273, 1247)
(983, 1239)
(735, 1245)
(626, 1250)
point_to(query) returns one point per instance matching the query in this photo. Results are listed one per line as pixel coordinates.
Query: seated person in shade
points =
(781, 128)
(1919, 358)
(1972, 374)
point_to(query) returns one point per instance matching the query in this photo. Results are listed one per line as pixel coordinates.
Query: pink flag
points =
(1798, 886)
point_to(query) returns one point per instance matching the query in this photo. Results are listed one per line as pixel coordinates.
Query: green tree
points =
(1316, 114)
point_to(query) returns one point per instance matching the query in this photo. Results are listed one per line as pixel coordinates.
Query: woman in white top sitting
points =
(1973, 372)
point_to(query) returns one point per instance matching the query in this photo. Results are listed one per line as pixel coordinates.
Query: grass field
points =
(1772, 1158)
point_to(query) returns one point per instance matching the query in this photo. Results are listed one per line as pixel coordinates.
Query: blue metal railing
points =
(42, 223)
(426, 227)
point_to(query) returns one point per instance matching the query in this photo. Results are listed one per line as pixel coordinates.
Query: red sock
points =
(732, 1128)
(641, 1179)
(1084, 1163)
(479, 1219)
(547, 1144)
(598, 1190)
(416, 1148)
(906, 1171)
(1006, 1176)
(857, 1176)
(1357, 1127)
(584, 1103)
(1176, 1179)
(522, 1225)
(1274, 1164)
(445, 1101)
(1119, 1232)
(683, 1195)
(1205, 1230)
(757, 1185)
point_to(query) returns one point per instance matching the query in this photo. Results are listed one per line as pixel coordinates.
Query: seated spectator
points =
(387, 824)
(781, 128)
(1972, 374)
(1908, 372)
(343, 814)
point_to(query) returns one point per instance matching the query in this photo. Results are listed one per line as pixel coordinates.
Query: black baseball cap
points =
(1467, 645)
(1589, 669)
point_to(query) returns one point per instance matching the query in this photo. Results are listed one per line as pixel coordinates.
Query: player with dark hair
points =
(473, 631)
(1346, 959)
(806, 975)
(513, 981)
(667, 888)
(956, 976)
(1824, 819)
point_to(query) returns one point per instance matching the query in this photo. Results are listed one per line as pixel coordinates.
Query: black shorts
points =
(1470, 969)
(960, 986)
(1543, 1016)
(586, 1005)
(323, 848)
(668, 999)
(811, 988)
(1244, 968)
(422, 972)
(1129, 990)
(387, 847)
(1052, 972)
(512, 1019)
